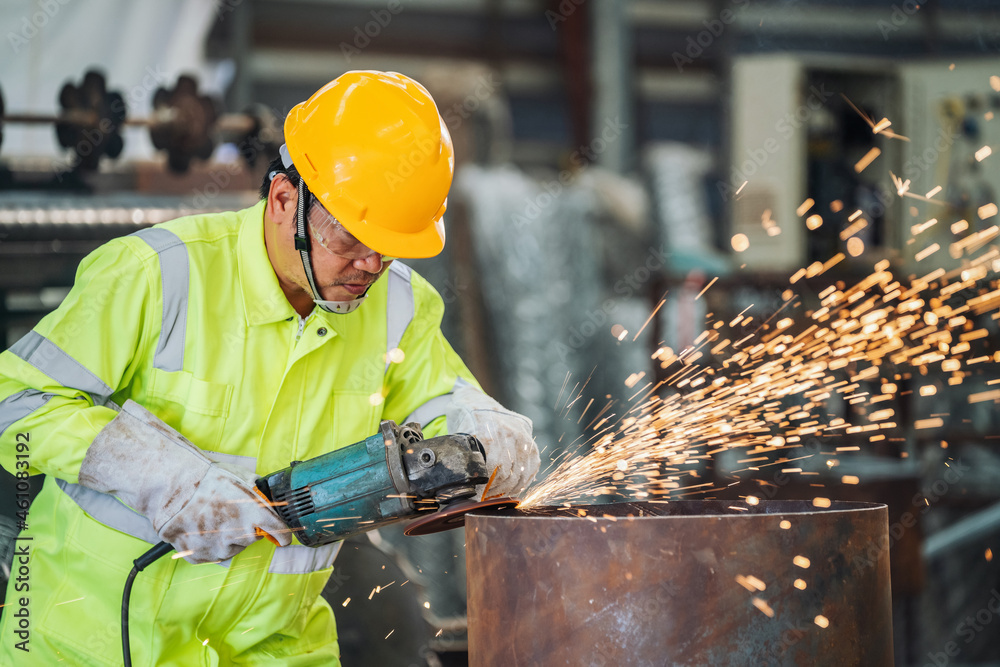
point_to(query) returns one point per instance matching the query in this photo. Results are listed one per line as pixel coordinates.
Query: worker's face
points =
(343, 267)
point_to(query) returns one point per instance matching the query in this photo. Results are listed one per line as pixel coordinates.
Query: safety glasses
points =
(328, 233)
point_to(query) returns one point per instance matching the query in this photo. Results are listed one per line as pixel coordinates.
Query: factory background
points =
(627, 173)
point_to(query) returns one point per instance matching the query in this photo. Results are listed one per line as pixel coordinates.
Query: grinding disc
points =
(453, 516)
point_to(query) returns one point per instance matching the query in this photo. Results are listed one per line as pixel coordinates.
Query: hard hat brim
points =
(427, 242)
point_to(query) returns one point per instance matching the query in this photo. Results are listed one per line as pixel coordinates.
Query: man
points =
(236, 343)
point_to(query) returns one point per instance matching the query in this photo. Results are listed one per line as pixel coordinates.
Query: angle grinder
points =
(392, 476)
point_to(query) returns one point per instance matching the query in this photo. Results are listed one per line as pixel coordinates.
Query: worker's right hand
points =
(205, 509)
(511, 452)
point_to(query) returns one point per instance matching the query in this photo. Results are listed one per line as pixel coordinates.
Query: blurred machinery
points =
(60, 211)
(828, 150)
(185, 124)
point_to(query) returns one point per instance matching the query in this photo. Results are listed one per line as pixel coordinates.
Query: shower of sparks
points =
(927, 252)
(648, 319)
(739, 391)
(855, 246)
(750, 582)
(489, 483)
(980, 397)
(705, 288)
(771, 227)
(868, 158)
(903, 190)
(764, 607)
(231, 583)
(68, 601)
(823, 366)
(856, 226)
(923, 226)
(902, 187)
(882, 127)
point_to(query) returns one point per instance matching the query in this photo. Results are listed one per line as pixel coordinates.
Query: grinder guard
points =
(393, 475)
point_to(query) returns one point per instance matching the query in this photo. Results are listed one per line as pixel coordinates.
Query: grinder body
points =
(393, 475)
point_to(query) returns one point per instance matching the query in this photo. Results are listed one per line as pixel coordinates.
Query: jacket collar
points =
(263, 300)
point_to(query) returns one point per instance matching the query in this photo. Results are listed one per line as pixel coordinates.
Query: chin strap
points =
(341, 307)
(303, 245)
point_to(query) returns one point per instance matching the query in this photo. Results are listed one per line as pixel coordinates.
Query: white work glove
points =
(195, 504)
(506, 436)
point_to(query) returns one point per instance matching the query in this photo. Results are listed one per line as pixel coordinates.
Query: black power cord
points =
(140, 564)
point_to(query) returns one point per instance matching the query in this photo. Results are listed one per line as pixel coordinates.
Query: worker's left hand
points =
(506, 436)
(207, 510)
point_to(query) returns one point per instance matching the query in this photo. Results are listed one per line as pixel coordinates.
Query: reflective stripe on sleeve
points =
(50, 359)
(297, 559)
(245, 462)
(114, 514)
(111, 512)
(174, 276)
(437, 406)
(399, 306)
(18, 406)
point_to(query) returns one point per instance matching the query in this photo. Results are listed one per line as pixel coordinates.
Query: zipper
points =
(302, 326)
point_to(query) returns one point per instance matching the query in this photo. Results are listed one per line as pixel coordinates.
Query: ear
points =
(282, 199)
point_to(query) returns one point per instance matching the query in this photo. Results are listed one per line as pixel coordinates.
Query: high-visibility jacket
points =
(187, 319)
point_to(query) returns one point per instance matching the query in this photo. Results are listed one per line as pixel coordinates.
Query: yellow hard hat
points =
(373, 148)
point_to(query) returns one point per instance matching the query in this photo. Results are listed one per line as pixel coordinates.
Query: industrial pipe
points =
(681, 583)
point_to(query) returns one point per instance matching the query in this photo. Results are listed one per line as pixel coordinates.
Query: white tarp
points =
(140, 45)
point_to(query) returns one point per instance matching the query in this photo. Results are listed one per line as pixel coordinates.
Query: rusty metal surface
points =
(453, 516)
(656, 584)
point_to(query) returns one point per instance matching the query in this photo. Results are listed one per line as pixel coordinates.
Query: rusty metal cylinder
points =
(680, 583)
